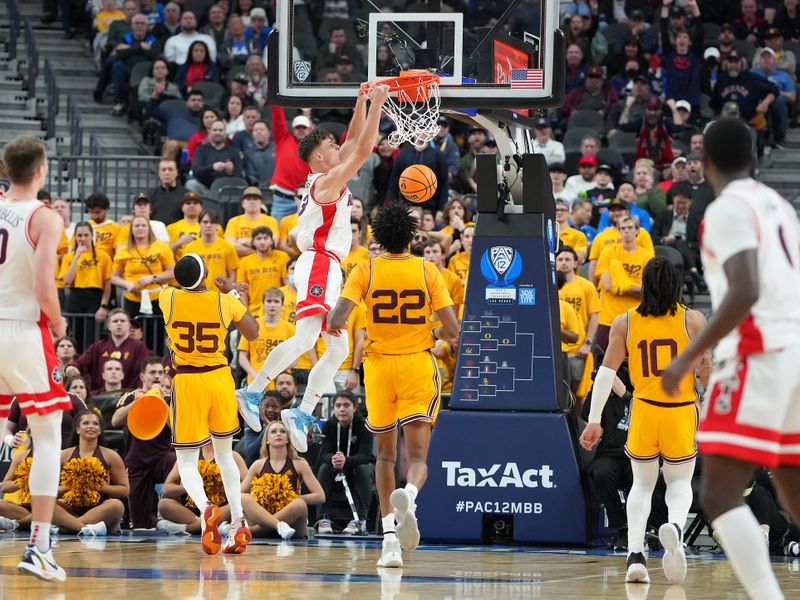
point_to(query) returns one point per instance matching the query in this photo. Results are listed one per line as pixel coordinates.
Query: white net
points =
(415, 111)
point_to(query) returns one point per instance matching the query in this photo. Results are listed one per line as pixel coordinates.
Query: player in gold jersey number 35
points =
(402, 384)
(203, 401)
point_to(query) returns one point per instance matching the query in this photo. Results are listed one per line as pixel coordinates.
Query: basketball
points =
(418, 183)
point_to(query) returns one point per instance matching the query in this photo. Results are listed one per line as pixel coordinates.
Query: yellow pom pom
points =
(21, 476)
(83, 478)
(272, 491)
(212, 483)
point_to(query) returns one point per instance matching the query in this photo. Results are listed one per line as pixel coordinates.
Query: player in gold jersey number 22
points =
(400, 373)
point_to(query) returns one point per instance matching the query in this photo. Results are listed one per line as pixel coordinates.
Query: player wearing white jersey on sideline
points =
(750, 240)
(323, 236)
(29, 369)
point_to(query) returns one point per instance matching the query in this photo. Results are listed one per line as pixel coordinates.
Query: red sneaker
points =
(210, 538)
(238, 538)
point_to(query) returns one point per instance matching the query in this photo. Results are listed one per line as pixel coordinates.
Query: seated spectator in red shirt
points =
(197, 68)
(750, 26)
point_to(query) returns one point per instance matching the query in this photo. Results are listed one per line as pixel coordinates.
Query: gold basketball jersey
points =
(652, 343)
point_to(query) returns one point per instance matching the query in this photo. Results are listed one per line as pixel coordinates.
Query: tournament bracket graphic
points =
(503, 456)
(506, 348)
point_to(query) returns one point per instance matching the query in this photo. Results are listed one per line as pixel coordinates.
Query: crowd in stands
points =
(624, 154)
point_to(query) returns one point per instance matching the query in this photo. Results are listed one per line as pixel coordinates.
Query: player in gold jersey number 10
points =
(406, 300)
(194, 334)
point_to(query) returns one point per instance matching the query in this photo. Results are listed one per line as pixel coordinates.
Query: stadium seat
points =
(573, 137)
(212, 93)
(746, 49)
(587, 118)
(139, 72)
(611, 157)
(228, 192)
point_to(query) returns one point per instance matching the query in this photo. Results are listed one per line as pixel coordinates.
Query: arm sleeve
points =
(730, 227)
(440, 298)
(355, 288)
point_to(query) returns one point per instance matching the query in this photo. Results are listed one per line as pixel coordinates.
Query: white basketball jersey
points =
(749, 215)
(324, 227)
(17, 300)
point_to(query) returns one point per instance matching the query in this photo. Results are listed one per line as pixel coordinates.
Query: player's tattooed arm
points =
(704, 368)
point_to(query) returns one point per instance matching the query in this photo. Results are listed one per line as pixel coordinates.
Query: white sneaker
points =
(674, 561)
(41, 564)
(637, 569)
(95, 529)
(404, 513)
(8, 525)
(298, 423)
(391, 554)
(324, 527)
(54, 530)
(170, 527)
(248, 403)
(355, 527)
(284, 530)
(224, 528)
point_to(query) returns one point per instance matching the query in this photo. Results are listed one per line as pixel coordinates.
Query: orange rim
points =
(406, 80)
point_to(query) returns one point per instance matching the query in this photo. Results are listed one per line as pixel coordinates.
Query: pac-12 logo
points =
(302, 69)
(501, 266)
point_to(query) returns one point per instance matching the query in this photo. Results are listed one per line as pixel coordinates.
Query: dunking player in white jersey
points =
(751, 255)
(323, 236)
(29, 370)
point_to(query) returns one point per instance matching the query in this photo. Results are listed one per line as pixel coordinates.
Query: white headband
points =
(201, 277)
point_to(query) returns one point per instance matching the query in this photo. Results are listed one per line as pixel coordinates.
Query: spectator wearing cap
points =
(787, 20)
(752, 94)
(617, 208)
(239, 230)
(576, 68)
(143, 207)
(654, 131)
(213, 160)
(670, 227)
(684, 110)
(593, 95)
(259, 158)
(558, 177)
(187, 230)
(725, 41)
(176, 49)
(785, 59)
(710, 70)
(166, 197)
(678, 20)
(785, 101)
(544, 143)
(290, 170)
(476, 138)
(445, 143)
(677, 172)
(626, 193)
(105, 230)
(258, 30)
(681, 61)
(584, 180)
(603, 185)
(336, 46)
(630, 107)
(750, 26)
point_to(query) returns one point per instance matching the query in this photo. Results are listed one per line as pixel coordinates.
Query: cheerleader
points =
(271, 491)
(93, 482)
(15, 507)
(178, 513)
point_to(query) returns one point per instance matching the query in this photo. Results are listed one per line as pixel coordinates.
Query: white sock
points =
(743, 542)
(40, 535)
(191, 479)
(223, 455)
(679, 491)
(287, 352)
(322, 374)
(388, 525)
(645, 475)
(412, 491)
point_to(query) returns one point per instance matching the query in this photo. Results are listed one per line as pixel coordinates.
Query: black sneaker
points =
(637, 569)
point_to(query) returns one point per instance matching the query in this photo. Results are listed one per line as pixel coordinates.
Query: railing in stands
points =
(76, 177)
(13, 28)
(53, 97)
(75, 128)
(33, 59)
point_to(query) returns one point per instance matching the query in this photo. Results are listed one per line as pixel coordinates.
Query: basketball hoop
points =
(415, 109)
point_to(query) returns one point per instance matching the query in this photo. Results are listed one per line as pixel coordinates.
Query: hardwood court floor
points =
(175, 568)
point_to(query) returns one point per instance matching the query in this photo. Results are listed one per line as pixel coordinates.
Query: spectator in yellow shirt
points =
(459, 263)
(107, 15)
(434, 252)
(218, 254)
(187, 230)
(86, 273)
(617, 210)
(239, 230)
(142, 266)
(272, 330)
(358, 253)
(105, 230)
(264, 269)
(288, 223)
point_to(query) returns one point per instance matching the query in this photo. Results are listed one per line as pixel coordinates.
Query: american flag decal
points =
(527, 79)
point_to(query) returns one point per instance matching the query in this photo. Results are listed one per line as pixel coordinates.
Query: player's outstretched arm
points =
(741, 271)
(46, 228)
(328, 188)
(337, 318)
(356, 126)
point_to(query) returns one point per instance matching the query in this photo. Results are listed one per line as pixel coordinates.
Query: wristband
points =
(235, 294)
